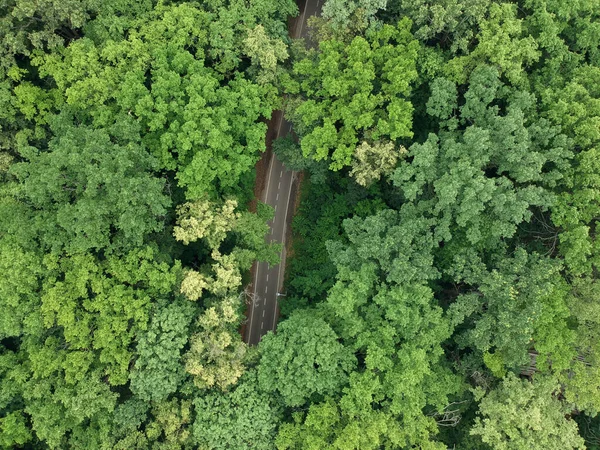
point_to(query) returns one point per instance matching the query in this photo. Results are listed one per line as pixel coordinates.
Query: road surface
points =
(268, 280)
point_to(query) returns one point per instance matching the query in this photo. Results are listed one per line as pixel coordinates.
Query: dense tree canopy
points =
(441, 284)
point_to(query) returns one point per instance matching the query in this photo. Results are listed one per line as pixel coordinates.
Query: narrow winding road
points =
(268, 280)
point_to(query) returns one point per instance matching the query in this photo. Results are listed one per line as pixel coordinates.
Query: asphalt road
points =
(268, 280)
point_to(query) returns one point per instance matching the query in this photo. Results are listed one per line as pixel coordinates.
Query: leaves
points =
(158, 370)
(216, 355)
(339, 100)
(241, 418)
(372, 161)
(303, 360)
(90, 193)
(521, 415)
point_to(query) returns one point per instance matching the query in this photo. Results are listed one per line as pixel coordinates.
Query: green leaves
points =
(97, 309)
(196, 120)
(353, 92)
(304, 360)
(90, 193)
(241, 418)
(158, 368)
(520, 305)
(483, 181)
(520, 415)
(216, 355)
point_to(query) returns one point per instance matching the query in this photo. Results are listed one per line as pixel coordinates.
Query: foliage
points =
(519, 414)
(449, 23)
(159, 75)
(372, 161)
(288, 151)
(241, 418)
(303, 360)
(441, 288)
(216, 354)
(520, 305)
(342, 12)
(346, 93)
(89, 193)
(158, 370)
(113, 114)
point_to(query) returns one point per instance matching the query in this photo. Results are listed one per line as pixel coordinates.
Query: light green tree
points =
(216, 354)
(345, 93)
(520, 415)
(370, 162)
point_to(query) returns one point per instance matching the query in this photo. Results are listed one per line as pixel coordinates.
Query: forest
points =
(442, 287)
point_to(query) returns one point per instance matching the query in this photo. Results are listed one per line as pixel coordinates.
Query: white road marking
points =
(275, 208)
(254, 294)
(279, 186)
(302, 19)
(262, 325)
(290, 125)
(267, 278)
(266, 192)
(265, 302)
(266, 289)
(263, 313)
(282, 263)
(277, 197)
(281, 173)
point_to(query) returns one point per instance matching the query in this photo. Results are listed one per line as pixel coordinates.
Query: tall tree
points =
(216, 355)
(89, 193)
(304, 360)
(520, 415)
(244, 417)
(342, 94)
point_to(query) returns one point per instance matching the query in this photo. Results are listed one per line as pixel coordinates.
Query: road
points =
(268, 280)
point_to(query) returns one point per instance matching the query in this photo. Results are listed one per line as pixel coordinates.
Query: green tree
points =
(520, 415)
(303, 360)
(97, 306)
(512, 310)
(342, 93)
(576, 108)
(501, 42)
(164, 425)
(578, 378)
(89, 193)
(450, 23)
(289, 152)
(380, 309)
(196, 120)
(159, 369)
(341, 13)
(216, 355)
(481, 182)
(244, 417)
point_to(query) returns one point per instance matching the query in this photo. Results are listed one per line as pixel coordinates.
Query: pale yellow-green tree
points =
(371, 161)
(204, 219)
(228, 278)
(216, 355)
(265, 52)
(521, 415)
(193, 284)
